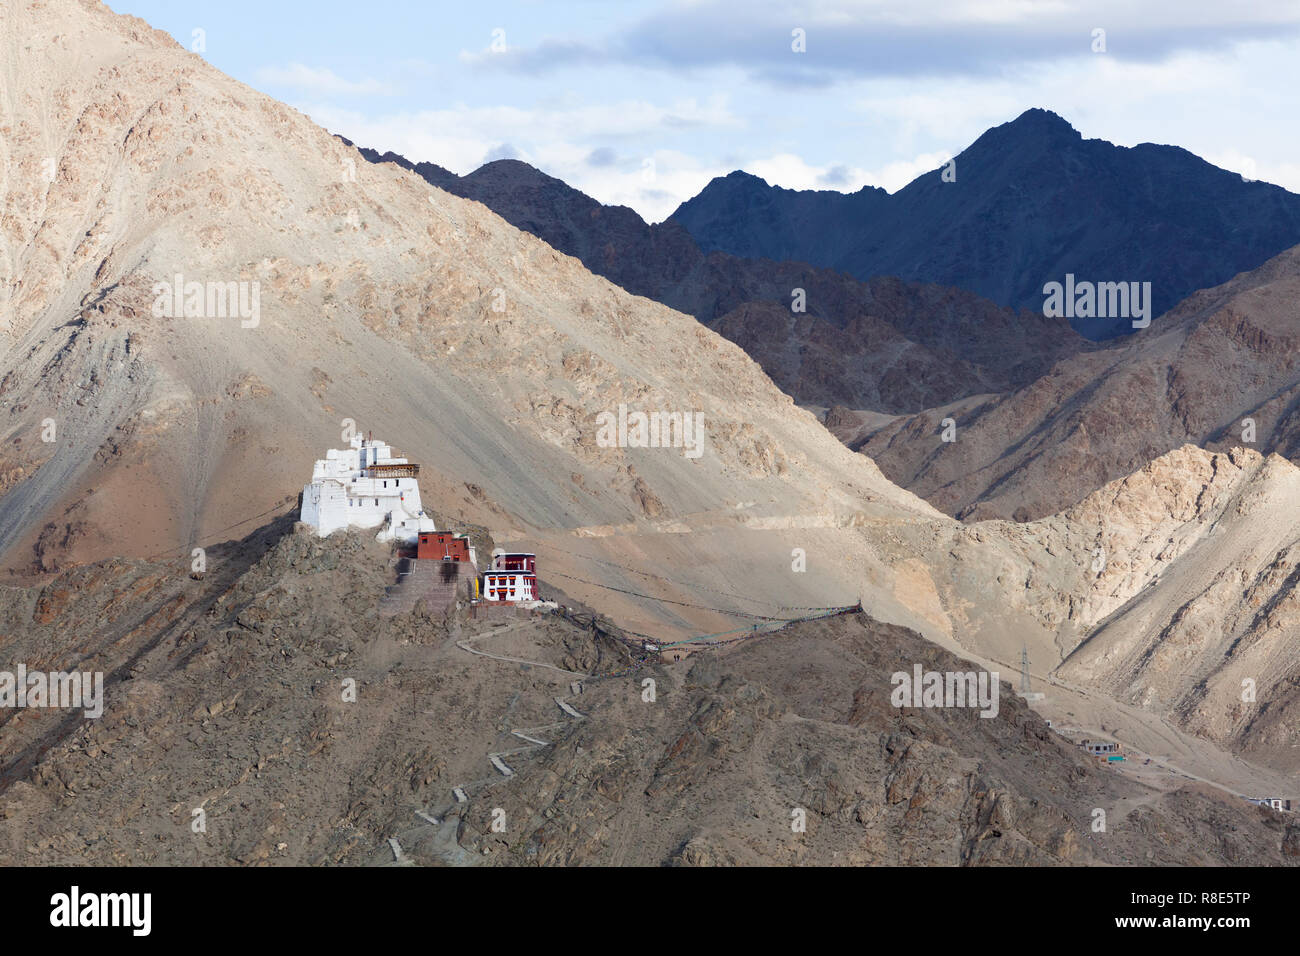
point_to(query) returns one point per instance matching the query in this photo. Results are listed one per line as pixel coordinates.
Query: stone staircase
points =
(438, 583)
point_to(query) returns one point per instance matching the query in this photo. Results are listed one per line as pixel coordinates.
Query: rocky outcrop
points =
(307, 729)
(1219, 371)
(787, 751)
(1189, 608)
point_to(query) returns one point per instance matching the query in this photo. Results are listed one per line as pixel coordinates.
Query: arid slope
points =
(226, 695)
(1222, 356)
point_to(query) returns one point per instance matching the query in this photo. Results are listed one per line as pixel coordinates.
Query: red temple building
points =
(443, 546)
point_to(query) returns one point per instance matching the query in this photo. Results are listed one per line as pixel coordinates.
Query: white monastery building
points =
(364, 486)
(512, 577)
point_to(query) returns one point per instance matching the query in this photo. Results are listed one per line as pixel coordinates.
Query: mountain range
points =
(135, 434)
(1220, 371)
(1029, 202)
(1023, 452)
(884, 344)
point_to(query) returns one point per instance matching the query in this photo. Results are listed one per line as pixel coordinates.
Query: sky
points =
(642, 103)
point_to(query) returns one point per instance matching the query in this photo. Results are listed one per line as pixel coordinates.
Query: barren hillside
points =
(1196, 601)
(486, 356)
(379, 299)
(882, 344)
(1223, 355)
(226, 695)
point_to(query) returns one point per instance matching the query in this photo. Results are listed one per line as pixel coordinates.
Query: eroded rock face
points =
(1194, 603)
(1218, 371)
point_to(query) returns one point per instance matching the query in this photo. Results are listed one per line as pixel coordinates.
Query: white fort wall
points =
(342, 495)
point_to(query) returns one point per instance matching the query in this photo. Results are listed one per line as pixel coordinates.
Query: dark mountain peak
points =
(491, 183)
(740, 176)
(1031, 202)
(1037, 118)
(511, 167)
(1033, 130)
(738, 182)
(741, 214)
(514, 175)
(433, 173)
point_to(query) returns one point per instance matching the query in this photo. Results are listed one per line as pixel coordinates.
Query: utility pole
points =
(1024, 668)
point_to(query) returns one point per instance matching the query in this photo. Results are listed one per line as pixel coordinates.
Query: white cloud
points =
(882, 131)
(318, 80)
(1286, 175)
(848, 39)
(558, 139)
(793, 172)
(654, 182)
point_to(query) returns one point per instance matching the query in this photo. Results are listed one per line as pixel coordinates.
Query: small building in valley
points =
(1100, 748)
(1276, 803)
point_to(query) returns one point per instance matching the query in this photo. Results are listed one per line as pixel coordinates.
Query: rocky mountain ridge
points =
(883, 344)
(1030, 202)
(1220, 372)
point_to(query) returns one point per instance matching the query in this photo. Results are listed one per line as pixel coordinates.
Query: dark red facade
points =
(442, 546)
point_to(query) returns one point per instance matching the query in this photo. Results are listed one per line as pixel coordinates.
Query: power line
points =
(782, 625)
(181, 547)
(681, 584)
(651, 597)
